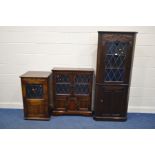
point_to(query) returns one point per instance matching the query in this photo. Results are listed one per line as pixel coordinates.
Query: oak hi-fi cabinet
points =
(37, 94)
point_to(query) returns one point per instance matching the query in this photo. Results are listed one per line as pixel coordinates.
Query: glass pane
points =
(81, 89)
(62, 88)
(82, 78)
(114, 74)
(62, 78)
(114, 61)
(116, 52)
(113, 47)
(34, 91)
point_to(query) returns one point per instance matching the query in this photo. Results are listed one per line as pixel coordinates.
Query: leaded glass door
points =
(81, 84)
(114, 58)
(63, 84)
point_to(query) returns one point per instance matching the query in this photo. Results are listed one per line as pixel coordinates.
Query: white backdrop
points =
(42, 48)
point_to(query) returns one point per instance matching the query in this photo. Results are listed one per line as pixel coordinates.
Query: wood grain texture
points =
(111, 97)
(37, 108)
(36, 74)
(72, 69)
(71, 102)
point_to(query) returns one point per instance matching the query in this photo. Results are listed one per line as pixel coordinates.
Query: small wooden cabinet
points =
(72, 91)
(36, 91)
(114, 64)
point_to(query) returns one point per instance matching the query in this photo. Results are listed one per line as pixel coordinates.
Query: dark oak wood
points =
(111, 101)
(115, 53)
(37, 96)
(72, 91)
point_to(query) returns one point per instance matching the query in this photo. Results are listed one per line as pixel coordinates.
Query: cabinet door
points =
(111, 100)
(83, 103)
(62, 83)
(35, 88)
(72, 103)
(60, 103)
(83, 90)
(35, 96)
(114, 57)
(36, 108)
(82, 84)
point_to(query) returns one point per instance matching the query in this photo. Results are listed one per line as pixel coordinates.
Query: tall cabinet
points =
(114, 63)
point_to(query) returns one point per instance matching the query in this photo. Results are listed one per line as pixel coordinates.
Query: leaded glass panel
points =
(34, 91)
(62, 88)
(82, 78)
(116, 52)
(62, 78)
(81, 89)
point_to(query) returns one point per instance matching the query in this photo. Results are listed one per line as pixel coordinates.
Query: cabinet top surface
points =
(72, 69)
(36, 74)
(116, 32)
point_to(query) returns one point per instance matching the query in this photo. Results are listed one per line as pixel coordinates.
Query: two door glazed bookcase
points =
(114, 63)
(72, 91)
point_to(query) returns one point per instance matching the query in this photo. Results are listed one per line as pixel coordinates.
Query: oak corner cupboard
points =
(72, 91)
(114, 64)
(36, 91)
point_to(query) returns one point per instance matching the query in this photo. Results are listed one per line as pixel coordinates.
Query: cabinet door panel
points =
(60, 103)
(102, 100)
(36, 108)
(111, 100)
(82, 83)
(35, 88)
(114, 58)
(84, 103)
(62, 83)
(72, 104)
